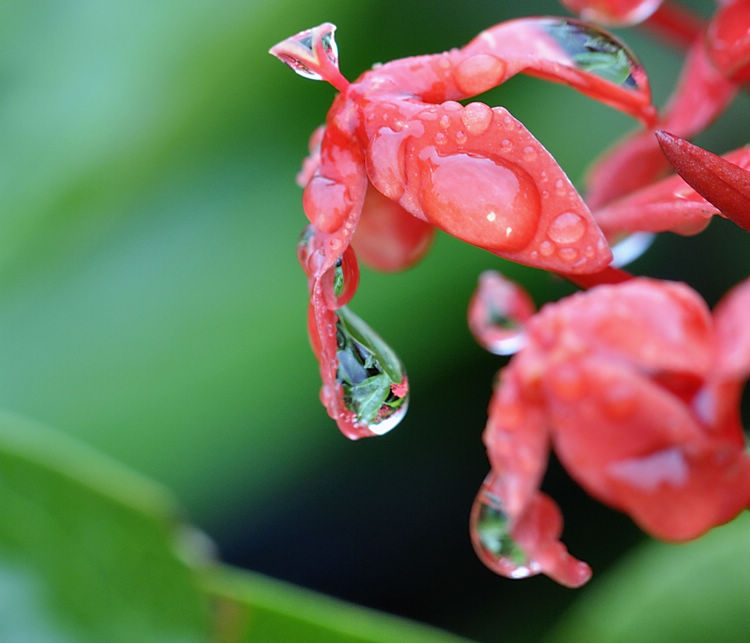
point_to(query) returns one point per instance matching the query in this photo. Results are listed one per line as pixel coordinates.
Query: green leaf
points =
(88, 550)
(251, 607)
(369, 395)
(697, 591)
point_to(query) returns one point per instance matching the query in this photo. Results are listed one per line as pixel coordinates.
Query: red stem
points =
(610, 275)
(675, 24)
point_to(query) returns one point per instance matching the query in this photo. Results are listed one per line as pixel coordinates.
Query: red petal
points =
(728, 40)
(731, 317)
(387, 237)
(613, 12)
(720, 181)
(482, 177)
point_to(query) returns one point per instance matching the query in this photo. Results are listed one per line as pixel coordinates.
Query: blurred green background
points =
(151, 304)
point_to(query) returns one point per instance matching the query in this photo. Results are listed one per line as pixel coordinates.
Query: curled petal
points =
(387, 237)
(312, 162)
(617, 13)
(517, 442)
(728, 40)
(647, 323)
(498, 312)
(603, 413)
(478, 174)
(527, 546)
(722, 181)
(578, 54)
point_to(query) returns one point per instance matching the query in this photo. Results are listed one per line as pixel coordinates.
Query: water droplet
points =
(498, 312)
(460, 190)
(491, 536)
(476, 118)
(479, 73)
(372, 378)
(545, 194)
(451, 106)
(546, 249)
(568, 254)
(300, 54)
(529, 153)
(543, 176)
(460, 137)
(560, 187)
(440, 139)
(567, 227)
(508, 122)
(506, 145)
(340, 280)
(597, 52)
(445, 121)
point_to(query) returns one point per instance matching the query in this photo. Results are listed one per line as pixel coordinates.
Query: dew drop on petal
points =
(529, 153)
(460, 137)
(479, 73)
(476, 118)
(491, 537)
(373, 382)
(568, 254)
(490, 203)
(567, 227)
(546, 249)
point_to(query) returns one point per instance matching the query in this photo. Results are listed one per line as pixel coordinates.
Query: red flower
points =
(636, 387)
(399, 155)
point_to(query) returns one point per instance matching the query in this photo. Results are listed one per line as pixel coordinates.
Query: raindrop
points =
(460, 190)
(491, 536)
(529, 153)
(460, 137)
(372, 378)
(476, 118)
(595, 51)
(567, 227)
(498, 312)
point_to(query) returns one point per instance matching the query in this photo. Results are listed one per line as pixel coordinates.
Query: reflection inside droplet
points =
(372, 379)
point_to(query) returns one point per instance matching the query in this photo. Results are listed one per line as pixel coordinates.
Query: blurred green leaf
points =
(697, 591)
(257, 608)
(88, 551)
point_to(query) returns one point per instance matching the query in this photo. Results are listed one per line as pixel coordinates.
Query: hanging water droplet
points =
(596, 52)
(498, 312)
(491, 536)
(372, 379)
(300, 53)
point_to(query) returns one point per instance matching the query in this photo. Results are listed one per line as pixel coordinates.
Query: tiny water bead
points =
(373, 382)
(567, 227)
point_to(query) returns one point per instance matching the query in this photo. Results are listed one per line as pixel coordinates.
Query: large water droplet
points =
(597, 52)
(371, 376)
(490, 203)
(491, 536)
(498, 312)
